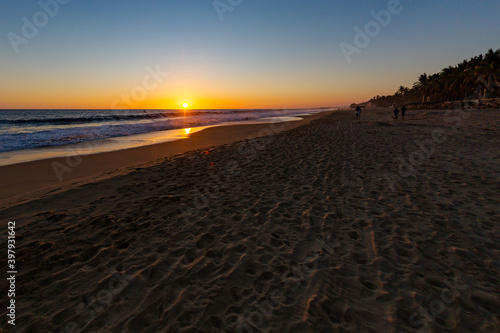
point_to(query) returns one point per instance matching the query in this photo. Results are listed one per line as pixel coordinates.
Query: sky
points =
(86, 54)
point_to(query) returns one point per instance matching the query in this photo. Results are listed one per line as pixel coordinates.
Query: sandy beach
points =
(24, 181)
(323, 225)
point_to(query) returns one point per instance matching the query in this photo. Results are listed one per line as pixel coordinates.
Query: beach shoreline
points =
(115, 143)
(27, 180)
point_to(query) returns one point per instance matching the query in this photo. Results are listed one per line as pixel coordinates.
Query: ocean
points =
(31, 129)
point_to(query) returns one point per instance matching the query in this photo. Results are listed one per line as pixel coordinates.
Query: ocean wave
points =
(18, 137)
(89, 117)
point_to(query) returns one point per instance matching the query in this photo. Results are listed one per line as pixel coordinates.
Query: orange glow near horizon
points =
(237, 96)
(196, 91)
(199, 91)
(247, 101)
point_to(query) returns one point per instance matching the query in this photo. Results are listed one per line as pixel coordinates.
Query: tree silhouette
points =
(475, 78)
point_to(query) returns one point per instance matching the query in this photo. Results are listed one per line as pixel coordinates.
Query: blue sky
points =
(263, 54)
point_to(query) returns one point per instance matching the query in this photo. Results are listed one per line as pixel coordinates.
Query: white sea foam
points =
(28, 129)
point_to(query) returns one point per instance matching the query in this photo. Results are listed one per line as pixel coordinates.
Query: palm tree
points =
(424, 84)
(490, 73)
(477, 77)
(458, 81)
(471, 74)
(433, 86)
(444, 81)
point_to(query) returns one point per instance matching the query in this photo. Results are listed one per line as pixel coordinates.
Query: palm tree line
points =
(476, 78)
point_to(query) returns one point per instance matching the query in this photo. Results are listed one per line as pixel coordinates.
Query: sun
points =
(185, 105)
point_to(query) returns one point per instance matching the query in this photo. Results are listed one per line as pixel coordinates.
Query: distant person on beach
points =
(358, 113)
(403, 111)
(396, 112)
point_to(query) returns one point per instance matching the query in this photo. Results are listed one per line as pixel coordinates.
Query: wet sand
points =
(334, 225)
